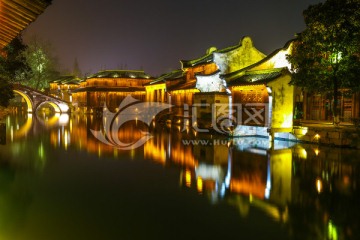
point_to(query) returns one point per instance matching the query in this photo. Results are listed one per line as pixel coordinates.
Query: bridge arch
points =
(28, 100)
(35, 99)
(54, 105)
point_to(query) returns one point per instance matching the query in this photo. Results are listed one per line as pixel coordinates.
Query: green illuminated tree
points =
(42, 64)
(326, 55)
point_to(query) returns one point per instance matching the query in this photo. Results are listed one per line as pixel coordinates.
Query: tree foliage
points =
(13, 68)
(6, 92)
(13, 65)
(42, 63)
(326, 55)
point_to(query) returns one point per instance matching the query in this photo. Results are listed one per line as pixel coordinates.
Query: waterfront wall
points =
(329, 135)
(344, 136)
(348, 136)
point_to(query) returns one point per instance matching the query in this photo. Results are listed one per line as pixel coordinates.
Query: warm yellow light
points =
(303, 154)
(199, 184)
(319, 185)
(63, 118)
(188, 178)
(287, 120)
(304, 130)
(27, 100)
(317, 151)
(99, 151)
(66, 143)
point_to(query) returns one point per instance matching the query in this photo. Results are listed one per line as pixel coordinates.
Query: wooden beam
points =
(16, 15)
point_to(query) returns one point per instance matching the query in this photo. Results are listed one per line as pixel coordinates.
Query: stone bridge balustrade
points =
(34, 99)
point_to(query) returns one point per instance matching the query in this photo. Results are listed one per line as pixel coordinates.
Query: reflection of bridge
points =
(34, 99)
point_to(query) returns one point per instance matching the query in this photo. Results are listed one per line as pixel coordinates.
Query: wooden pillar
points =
(305, 105)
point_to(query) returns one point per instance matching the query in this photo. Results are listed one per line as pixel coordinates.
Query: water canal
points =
(57, 181)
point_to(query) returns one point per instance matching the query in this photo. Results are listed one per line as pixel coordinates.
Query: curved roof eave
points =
(232, 75)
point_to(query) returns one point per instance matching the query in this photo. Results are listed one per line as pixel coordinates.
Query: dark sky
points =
(155, 35)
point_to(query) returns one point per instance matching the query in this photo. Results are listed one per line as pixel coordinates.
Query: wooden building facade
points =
(62, 87)
(109, 88)
(318, 107)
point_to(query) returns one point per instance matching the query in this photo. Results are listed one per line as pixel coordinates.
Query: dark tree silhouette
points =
(326, 55)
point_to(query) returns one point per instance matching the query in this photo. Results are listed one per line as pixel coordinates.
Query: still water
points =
(57, 182)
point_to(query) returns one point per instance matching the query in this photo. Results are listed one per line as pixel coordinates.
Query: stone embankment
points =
(344, 135)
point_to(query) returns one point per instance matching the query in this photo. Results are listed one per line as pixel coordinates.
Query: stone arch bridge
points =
(34, 99)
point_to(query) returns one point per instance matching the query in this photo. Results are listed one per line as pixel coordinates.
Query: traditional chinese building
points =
(109, 88)
(213, 88)
(318, 107)
(63, 87)
(262, 96)
(158, 90)
(201, 75)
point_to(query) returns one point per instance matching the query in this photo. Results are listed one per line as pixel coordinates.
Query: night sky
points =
(155, 35)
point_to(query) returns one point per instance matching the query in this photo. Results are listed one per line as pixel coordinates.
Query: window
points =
(203, 103)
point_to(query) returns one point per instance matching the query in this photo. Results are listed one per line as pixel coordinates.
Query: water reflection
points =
(311, 191)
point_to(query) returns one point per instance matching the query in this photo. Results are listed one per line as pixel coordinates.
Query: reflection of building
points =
(110, 88)
(279, 183)
(168, 149)
(212, 171)
(249, 174)
(317, 187)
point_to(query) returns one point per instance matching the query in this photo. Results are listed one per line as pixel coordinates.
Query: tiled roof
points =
(208, 58)
(233, 75)
(176, 74)
(67, 79)
(121, 74)
(256, 77)
(109, 89)
(202, 60)
(182, 86)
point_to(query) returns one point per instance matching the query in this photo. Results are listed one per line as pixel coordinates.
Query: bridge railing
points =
(18, 86)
